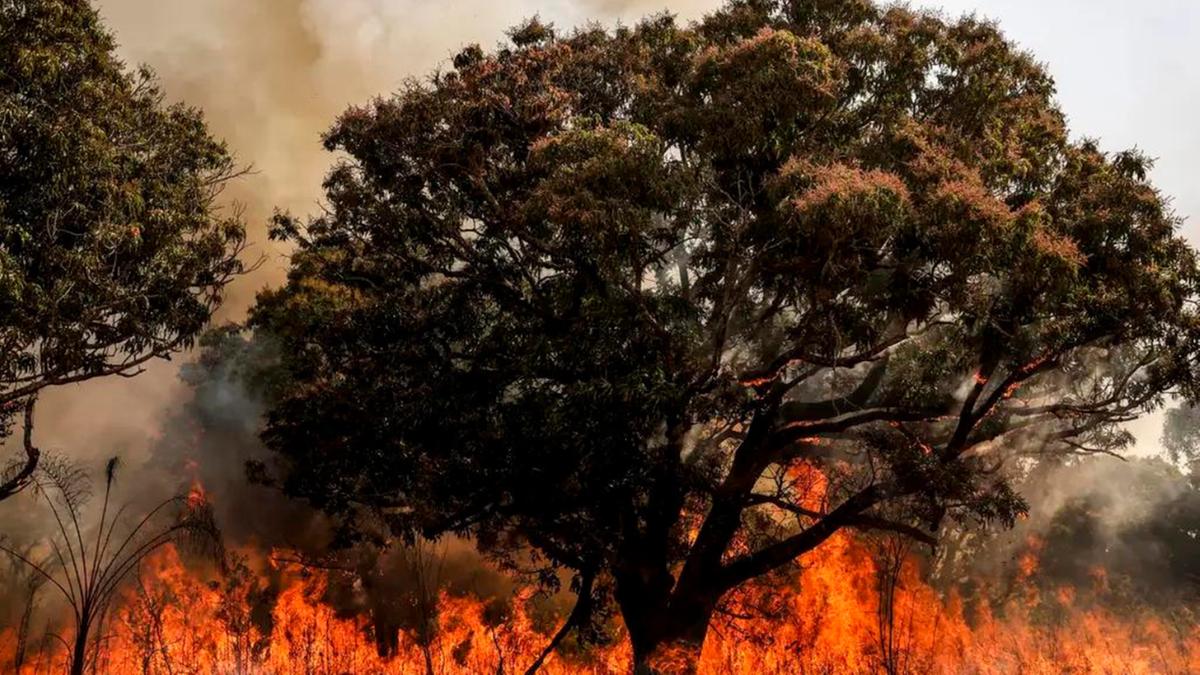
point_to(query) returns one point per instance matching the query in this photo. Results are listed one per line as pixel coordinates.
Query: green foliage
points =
(111, 249)
(1181, 433)
(612, 296)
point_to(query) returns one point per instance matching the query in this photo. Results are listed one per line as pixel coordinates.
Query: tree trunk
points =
(79, 651)
(669, 642)
(677, 657)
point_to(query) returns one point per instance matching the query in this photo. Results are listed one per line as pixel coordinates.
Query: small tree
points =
(675, 304)
(112, 249)
(88, 567)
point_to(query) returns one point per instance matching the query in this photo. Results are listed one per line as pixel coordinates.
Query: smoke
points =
(1131, 526)
(271, 76)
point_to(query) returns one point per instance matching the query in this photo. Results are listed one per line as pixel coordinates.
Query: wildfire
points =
(835, 616)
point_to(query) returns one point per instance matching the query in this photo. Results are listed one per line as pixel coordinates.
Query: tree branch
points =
(797, 411)
(861, 522)
(792, 432)
(780, 553)
(21, 479)
(579, 614)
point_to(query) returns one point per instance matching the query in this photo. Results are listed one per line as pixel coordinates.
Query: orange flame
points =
(829, 619)
(841, 614)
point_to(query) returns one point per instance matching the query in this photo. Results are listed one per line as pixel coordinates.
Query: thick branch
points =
(783, 552)
(773, 369)
(861, 522)
(579, 614)
(20, 479)
(793, 432)
(796, 411)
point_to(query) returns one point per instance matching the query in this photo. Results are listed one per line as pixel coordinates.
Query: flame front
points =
(832, 617)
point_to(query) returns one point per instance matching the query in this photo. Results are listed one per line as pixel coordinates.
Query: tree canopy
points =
(670, 305)
(112, 249)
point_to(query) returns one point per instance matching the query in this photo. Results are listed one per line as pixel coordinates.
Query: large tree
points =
(113, 251)
(671, 305)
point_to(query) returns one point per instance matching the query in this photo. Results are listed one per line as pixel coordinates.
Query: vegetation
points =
(87, 566)
(112, 250)
(660, 309)
(671, 305)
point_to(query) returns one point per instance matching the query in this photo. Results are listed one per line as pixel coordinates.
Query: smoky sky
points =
(271, 75)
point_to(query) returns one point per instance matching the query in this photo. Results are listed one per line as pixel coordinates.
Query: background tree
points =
(112, 252)
(672, 305)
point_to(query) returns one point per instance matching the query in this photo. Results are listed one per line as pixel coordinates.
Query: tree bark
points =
(667, 637)
(673, 646)
(79, 651)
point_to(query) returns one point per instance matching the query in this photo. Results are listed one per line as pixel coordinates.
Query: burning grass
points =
(838, 615)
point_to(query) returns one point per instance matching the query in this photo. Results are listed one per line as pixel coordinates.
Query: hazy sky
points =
(1128, 73)
(272, 74)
